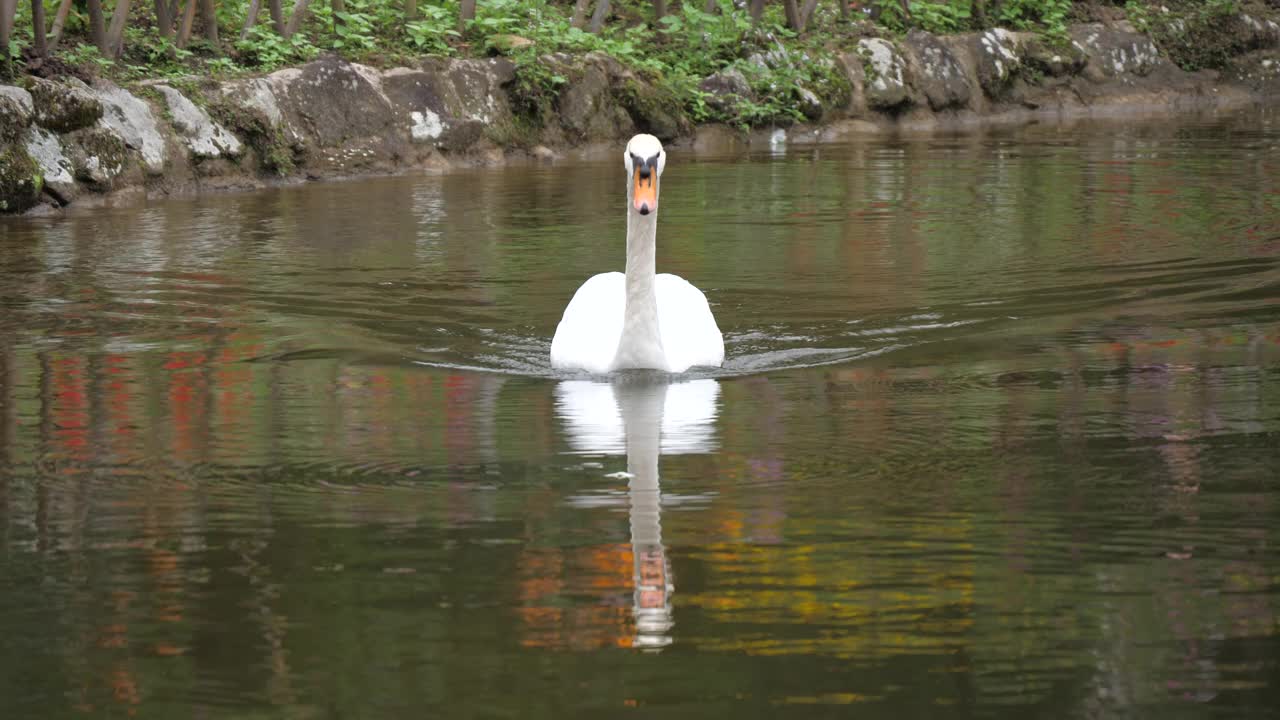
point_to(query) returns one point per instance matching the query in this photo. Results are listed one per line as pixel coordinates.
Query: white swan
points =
(638, 319)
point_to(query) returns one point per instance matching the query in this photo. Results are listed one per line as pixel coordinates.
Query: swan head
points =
(645, 160)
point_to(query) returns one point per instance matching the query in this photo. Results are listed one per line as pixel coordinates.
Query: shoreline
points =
(66, 143)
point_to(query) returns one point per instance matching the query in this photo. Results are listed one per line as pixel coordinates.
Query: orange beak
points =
(646, 192)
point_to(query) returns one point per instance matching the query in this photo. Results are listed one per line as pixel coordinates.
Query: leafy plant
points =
(432, 33)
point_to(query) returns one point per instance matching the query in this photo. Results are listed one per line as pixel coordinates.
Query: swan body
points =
(638, 319)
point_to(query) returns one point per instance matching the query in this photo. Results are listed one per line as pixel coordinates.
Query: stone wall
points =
(67, 141)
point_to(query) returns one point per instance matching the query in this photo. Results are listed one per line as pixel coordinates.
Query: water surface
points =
(998, 435)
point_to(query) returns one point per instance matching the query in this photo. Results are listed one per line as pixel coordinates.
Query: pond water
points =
(998, 435)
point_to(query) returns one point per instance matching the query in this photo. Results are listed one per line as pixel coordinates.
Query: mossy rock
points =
(1196, 37)
(1056, 59)
(275, 153)
(20, 179)
(654, 110)
(14, 117)
(62, 108)
(97, 155)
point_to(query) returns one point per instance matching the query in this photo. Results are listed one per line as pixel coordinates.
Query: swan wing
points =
(588, 334)
(690, 335)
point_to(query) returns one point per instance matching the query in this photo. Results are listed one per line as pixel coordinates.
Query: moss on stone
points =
(275, 153)
(97, 155)
(20, 179)
(1201, 35)
(13, 119)
(654, 109)
(61, 108)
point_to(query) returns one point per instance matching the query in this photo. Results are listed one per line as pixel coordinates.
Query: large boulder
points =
(1113, 52)
(1054, 59)
(254, 103)
(132, 119)
(939, 74)
(852, 66)
(653, 109)
(205, 138)
(725, 89)
(998, 53)
(332, 101)
(251, 108)
(886, 74)
(20, 178)
(97, 154)
(1260, 32)
(63, 107)
(46, 150)
(16, 110)
(450, 105)
(587, 107)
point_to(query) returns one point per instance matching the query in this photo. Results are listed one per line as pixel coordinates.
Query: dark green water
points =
(998, 436)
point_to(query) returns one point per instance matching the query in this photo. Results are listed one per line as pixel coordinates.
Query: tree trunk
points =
(580, 13)
(39, 44)
(296, 18)
(97, 30)
(115, 35)
(251, 17)
(59, 22)
(339, 8)
(659, 9)
(8, 14)
(844, 9)
(210, 18)
(410, 10)
(277, 15)
(757, 9)
(188, 19)
(711, 7)
(466, 13)
(793, 14)
(597, 19)
(806, 13)
(164, 21)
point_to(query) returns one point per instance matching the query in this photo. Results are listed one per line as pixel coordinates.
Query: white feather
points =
(590, 333)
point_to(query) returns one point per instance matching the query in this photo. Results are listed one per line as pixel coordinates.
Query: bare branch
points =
(466, 13)
(40, 44)
(164, 19)
(115, 35)
(597, 20)
(251, 17)
(210, 18)
(580, 13)
(339, 7)
(97, 28)
(806, 12)
(8, 13)
(295, 19)
(793, 15)
(277, 15)
(59, 22)
(188, 19)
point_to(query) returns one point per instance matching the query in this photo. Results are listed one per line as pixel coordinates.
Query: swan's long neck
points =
(641, 343)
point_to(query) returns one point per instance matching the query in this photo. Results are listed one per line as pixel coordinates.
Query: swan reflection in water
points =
(644, 416)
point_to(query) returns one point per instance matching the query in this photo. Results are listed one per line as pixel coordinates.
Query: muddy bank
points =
(67, 141)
